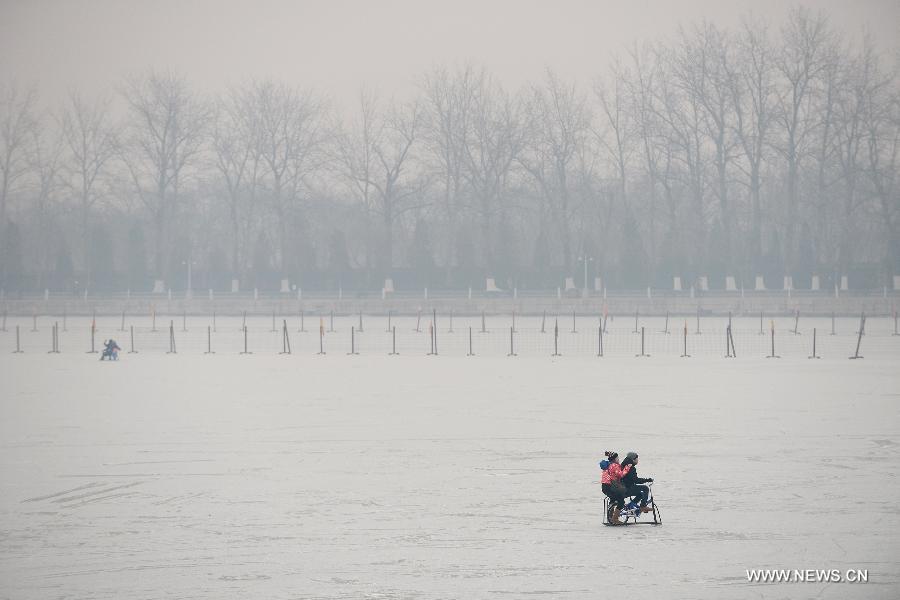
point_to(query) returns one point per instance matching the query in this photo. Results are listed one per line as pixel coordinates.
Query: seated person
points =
(611, 484)
(110, 350)
(633, 488)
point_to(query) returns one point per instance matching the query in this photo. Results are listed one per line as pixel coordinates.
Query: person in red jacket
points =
(611, 483)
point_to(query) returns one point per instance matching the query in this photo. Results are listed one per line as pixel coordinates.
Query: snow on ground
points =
(304, 476)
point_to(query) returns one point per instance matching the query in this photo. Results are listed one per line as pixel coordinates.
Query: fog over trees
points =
(761, 150)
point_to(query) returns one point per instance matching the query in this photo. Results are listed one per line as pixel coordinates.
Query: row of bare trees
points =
(758, 150)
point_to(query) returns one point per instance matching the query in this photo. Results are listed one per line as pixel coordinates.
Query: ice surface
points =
(304, 476)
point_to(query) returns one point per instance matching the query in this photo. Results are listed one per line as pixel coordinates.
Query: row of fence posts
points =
(302, 329)
(730, 351)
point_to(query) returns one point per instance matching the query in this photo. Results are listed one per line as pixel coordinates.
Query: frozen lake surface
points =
(371, 476)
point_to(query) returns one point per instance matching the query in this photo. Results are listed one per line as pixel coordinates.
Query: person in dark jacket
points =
(633, 488)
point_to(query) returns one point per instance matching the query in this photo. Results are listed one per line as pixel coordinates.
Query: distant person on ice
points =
(611, 482)
(110, 350)
(633, 488)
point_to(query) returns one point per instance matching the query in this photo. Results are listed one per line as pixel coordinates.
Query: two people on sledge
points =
(620, 481)
(110, 350)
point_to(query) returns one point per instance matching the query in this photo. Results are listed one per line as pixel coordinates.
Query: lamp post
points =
(585, 260)
(190, 290)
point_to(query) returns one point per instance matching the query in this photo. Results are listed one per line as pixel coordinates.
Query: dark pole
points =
(93, 331)
(512, 351)
(600, 337)
(171, 338)
(556, 338)
(470, 343)
(132, 351)
(18, 349)
(321, 337)
(772, 330)
(573, 321)
(245, 342)
(393, 341)
(684, 353)
(761, 332)
(208, 340)
(285, 340)
(862, 326)
(642, 354)
(814, 355)
(352, 341)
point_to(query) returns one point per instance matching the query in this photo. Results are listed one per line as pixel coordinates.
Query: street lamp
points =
(190, 290)
(585, 260)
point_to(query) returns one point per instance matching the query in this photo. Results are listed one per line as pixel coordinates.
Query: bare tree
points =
(449, 98)
(91, 143)
(800, 61)
(292, 147)
(164, 138)
(376, 159)
(495, 140)
(649, 135)
(617, 137)
(752, 86)
(702, 67)
(17, 124)
(45, 162)
(680, 115)
(237, 140)
(882, 153)
(559, 123)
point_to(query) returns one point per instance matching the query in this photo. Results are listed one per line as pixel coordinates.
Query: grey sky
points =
(338, 45)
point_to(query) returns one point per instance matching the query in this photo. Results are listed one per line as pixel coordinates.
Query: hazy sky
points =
(337, 45)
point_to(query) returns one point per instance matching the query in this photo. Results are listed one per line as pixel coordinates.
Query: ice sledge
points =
(629, 517)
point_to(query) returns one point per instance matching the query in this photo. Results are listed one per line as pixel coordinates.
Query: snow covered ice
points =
(372, 476)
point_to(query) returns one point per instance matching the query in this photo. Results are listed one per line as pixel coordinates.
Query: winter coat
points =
(613, 473)
(629, 476)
